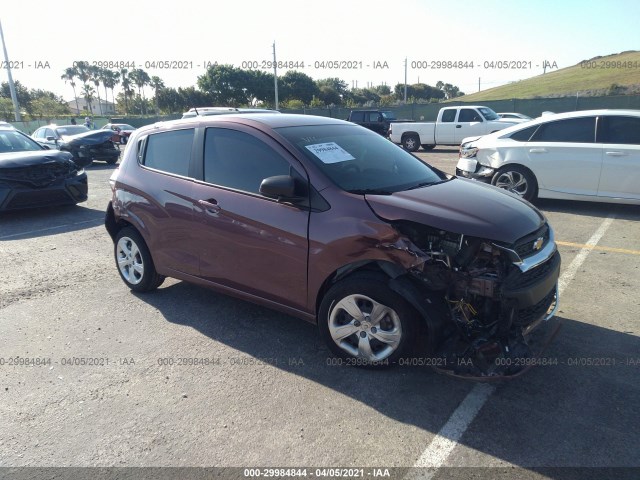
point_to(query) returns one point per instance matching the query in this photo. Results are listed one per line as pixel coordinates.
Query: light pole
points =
(12, 87)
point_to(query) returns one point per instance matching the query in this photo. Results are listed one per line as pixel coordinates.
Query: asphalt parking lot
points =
(111, 378)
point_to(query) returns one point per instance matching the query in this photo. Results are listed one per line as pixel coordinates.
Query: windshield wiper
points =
(370, 191)
(423, 184)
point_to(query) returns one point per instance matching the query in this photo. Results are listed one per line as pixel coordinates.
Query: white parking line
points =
(438, 451)
(95, 220)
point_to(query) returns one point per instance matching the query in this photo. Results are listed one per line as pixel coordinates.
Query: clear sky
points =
(366, 33)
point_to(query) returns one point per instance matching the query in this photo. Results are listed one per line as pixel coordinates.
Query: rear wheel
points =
(517, 180)
(134, 261)
(362, 320)
(411, 142)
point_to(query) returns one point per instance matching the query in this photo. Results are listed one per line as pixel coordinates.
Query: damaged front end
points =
(492, 296)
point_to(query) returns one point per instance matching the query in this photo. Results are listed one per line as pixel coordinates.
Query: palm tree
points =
(125, 86)
(87, 92)
(157, 84)
(70, 75)
(94, 73)
(104, 76)
(140, 78)
(113, 80)
(84, 71)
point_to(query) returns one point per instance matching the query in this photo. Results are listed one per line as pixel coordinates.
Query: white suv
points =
(591, 155)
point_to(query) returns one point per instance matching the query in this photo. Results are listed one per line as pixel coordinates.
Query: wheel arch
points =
(400, 281)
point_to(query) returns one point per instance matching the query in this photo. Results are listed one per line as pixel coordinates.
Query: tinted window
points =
(389, 115)
(71, 130)
(523, 135)
(374, 117)
(449, 115)
(14, 141)
(577, 130)
(469, 115)
(170, 151)
(238, 160)
(39, 133)
(624, 130)
(358, 160)
(357, 116)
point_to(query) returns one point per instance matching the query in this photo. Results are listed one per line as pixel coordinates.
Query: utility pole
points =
(12, 87)
(478, 83)
(405, 79)
(275, 73)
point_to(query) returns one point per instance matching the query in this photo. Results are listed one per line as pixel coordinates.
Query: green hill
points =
(617, 74)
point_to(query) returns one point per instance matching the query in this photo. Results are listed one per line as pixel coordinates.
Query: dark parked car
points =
(84, 144)
(121, 132)
(329, 222)
(34, 176)
(378, 121)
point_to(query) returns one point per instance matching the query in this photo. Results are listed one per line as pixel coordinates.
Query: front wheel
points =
(134, 261)
(365, 322)
(517, 180)
(411, 143)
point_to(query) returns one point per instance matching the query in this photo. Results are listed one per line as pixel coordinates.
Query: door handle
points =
(210, 205)
(458, 126)
(538, 150)
(616, 154)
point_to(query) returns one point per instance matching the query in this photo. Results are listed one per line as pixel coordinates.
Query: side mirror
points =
(282, 187)
(50, 139)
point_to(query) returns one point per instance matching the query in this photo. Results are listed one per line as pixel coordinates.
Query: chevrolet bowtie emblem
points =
(537, 245)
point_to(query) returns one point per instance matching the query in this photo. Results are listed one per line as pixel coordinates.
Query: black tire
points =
(111, 161)
(427, 147)
(411, 142)
(398, 323)
(128, 239)
(518, 180)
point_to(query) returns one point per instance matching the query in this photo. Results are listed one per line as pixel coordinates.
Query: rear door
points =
(445, 128)
(470, 124)
(565, 157)
(249, 242)
(620, 177)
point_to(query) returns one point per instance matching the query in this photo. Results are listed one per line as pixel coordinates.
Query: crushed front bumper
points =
(470, 168)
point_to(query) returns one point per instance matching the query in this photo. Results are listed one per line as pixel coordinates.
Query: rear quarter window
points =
(169, 151)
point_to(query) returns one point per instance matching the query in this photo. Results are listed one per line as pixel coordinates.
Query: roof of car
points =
(267, 119)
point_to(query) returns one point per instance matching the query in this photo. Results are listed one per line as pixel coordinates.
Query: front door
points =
(249, 242)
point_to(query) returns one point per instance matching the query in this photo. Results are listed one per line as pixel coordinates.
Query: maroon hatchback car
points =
(330, 222)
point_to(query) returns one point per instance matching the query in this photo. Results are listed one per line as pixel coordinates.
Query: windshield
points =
(71, 130)
(360, 161)
(488, 113)
(123, 126)
(14, 141)
(389, 115)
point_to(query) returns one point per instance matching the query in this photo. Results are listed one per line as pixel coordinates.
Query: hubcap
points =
(410, 143)
(514, 182)
(130, 260)
(365, 328)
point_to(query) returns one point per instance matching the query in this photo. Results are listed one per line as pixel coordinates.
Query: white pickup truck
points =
(453, 124)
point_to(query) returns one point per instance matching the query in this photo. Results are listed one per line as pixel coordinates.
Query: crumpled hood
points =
(38, 157)
(462, 206)
(94, 137)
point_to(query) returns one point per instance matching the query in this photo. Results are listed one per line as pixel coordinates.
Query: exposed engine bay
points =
(492, 299)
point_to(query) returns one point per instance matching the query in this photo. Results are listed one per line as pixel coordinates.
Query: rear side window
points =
(374, 117)
(357, 116)
(240, 161)
(170, 151)
(469, 115)
(449, 115)
(624, 130)
(574, 130)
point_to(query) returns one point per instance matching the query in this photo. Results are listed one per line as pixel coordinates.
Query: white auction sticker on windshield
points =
(330, 152)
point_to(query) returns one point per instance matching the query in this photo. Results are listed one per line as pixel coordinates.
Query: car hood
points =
(462, 206)
(94, 137)
(27, 159)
